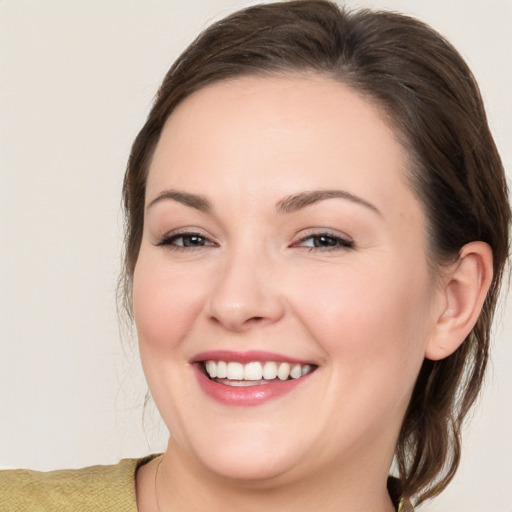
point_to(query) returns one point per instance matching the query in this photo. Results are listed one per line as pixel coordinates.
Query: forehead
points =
(279, 135)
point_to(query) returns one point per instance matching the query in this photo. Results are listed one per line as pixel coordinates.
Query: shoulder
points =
(106, 488)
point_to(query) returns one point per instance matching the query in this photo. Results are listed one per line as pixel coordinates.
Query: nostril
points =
(255, 320)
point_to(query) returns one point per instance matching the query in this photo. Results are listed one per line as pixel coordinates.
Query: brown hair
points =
(431, 99)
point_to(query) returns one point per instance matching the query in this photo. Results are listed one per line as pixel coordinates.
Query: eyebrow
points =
(298, 201)
(289, 204)
(193, 200)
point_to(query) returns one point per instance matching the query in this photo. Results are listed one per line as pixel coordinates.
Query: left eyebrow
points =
(298, 201)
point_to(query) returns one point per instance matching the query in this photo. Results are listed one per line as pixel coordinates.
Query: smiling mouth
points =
(254, 373)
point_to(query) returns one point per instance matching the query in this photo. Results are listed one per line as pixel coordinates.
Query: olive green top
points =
(96, 488)
(92, 489)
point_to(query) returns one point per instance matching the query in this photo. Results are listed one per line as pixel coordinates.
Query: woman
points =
(317, 224)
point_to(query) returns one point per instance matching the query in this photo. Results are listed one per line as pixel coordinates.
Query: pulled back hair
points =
(429, 96)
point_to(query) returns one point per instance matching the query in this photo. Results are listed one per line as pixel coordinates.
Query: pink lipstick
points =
(249, 378)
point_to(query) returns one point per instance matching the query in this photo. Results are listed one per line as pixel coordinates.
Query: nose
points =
(245, 294)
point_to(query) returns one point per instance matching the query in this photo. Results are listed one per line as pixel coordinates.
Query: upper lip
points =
(246, 357)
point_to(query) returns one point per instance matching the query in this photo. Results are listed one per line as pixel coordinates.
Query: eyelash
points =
(333, 242)
(169, 241)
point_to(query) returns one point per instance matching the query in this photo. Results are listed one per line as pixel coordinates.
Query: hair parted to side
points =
(429, 96)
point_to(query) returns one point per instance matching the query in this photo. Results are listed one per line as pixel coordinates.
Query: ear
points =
(464, 289)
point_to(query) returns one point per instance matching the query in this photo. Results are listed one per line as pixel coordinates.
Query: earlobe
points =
(465, 288)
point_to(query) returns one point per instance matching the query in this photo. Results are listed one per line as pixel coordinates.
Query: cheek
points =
(165, 303)
(371, 324)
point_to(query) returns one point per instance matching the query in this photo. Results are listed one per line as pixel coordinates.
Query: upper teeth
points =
(255, 370)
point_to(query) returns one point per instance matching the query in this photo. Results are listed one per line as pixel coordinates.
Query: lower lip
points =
(247, 396)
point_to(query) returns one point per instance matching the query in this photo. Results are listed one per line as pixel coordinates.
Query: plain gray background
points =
(76, 81)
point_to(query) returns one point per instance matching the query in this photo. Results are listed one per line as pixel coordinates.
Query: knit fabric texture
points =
(95, 488)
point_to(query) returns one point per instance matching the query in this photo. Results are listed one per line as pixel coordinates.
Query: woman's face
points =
(279, 228)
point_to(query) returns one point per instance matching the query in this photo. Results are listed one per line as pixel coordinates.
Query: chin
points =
(254, 455)
(253, 468)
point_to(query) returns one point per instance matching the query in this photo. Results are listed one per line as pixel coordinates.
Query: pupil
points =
(191, 241)
(325, 241)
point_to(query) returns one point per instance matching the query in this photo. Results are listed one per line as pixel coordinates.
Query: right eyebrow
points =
(193, 200)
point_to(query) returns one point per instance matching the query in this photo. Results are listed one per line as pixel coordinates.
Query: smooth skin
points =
(231, 259)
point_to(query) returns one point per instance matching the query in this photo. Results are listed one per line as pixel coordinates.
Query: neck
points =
(186, 486)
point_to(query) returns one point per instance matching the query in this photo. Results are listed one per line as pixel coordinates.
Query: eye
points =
(184, 241)
(324, 241)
